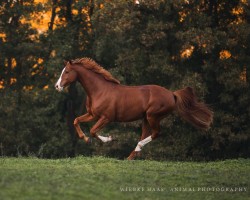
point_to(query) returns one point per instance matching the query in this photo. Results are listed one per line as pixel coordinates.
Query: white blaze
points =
(58, 83)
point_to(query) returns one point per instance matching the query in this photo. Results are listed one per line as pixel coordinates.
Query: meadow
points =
(107, 178)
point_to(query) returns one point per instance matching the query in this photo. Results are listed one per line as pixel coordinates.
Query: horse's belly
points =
(130, 108)
(124, 104)
(128, 117)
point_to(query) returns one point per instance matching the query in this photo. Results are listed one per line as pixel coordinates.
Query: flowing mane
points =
(90, 64)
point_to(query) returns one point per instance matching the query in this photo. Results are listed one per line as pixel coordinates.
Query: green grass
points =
(104, 178)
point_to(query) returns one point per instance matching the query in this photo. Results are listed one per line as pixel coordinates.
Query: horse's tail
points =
(194, 112)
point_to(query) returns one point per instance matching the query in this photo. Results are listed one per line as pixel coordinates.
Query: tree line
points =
(202, 44)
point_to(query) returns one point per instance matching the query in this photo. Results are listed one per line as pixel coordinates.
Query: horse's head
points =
(68, 76)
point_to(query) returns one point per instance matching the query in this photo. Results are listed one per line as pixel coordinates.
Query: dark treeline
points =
(173, 43)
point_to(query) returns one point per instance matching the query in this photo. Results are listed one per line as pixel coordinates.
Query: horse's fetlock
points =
(76, 121)
(81, 136)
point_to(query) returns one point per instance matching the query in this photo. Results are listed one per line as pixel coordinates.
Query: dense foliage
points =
(202, 44)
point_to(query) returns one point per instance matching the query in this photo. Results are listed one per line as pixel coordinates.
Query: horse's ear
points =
(65, 62)
(70, 64)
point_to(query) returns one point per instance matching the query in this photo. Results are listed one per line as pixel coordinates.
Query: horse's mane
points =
(90, 64)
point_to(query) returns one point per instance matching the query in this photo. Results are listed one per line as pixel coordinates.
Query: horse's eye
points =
(66, 72)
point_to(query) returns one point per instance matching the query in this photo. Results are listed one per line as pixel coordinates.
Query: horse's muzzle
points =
(58, 87)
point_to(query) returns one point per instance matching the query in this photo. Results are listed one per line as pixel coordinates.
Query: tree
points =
(201, 44)
(71, 38)
(27, 125)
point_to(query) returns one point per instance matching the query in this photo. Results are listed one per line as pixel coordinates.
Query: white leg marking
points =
(142, 143)
(58, 83)
(105, 139)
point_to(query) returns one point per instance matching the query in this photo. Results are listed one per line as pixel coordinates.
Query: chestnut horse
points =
(109, 101)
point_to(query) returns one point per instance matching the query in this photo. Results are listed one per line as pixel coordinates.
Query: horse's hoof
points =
(133, 155)
(89, 141)
(130, 158)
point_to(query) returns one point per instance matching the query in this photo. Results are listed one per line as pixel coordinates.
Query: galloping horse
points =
(109, 101)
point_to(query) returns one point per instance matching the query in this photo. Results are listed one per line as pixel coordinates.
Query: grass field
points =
(111, 179)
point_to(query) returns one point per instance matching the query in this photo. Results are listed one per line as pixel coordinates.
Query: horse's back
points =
(134, 102)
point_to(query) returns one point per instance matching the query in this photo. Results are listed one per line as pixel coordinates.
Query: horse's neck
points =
(92, 82)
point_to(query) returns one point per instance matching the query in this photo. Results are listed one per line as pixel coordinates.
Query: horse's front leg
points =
(97, 127)
(84, 118)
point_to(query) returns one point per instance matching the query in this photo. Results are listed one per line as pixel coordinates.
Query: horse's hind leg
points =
(145, 129)
(154, 125)
(145, 133)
